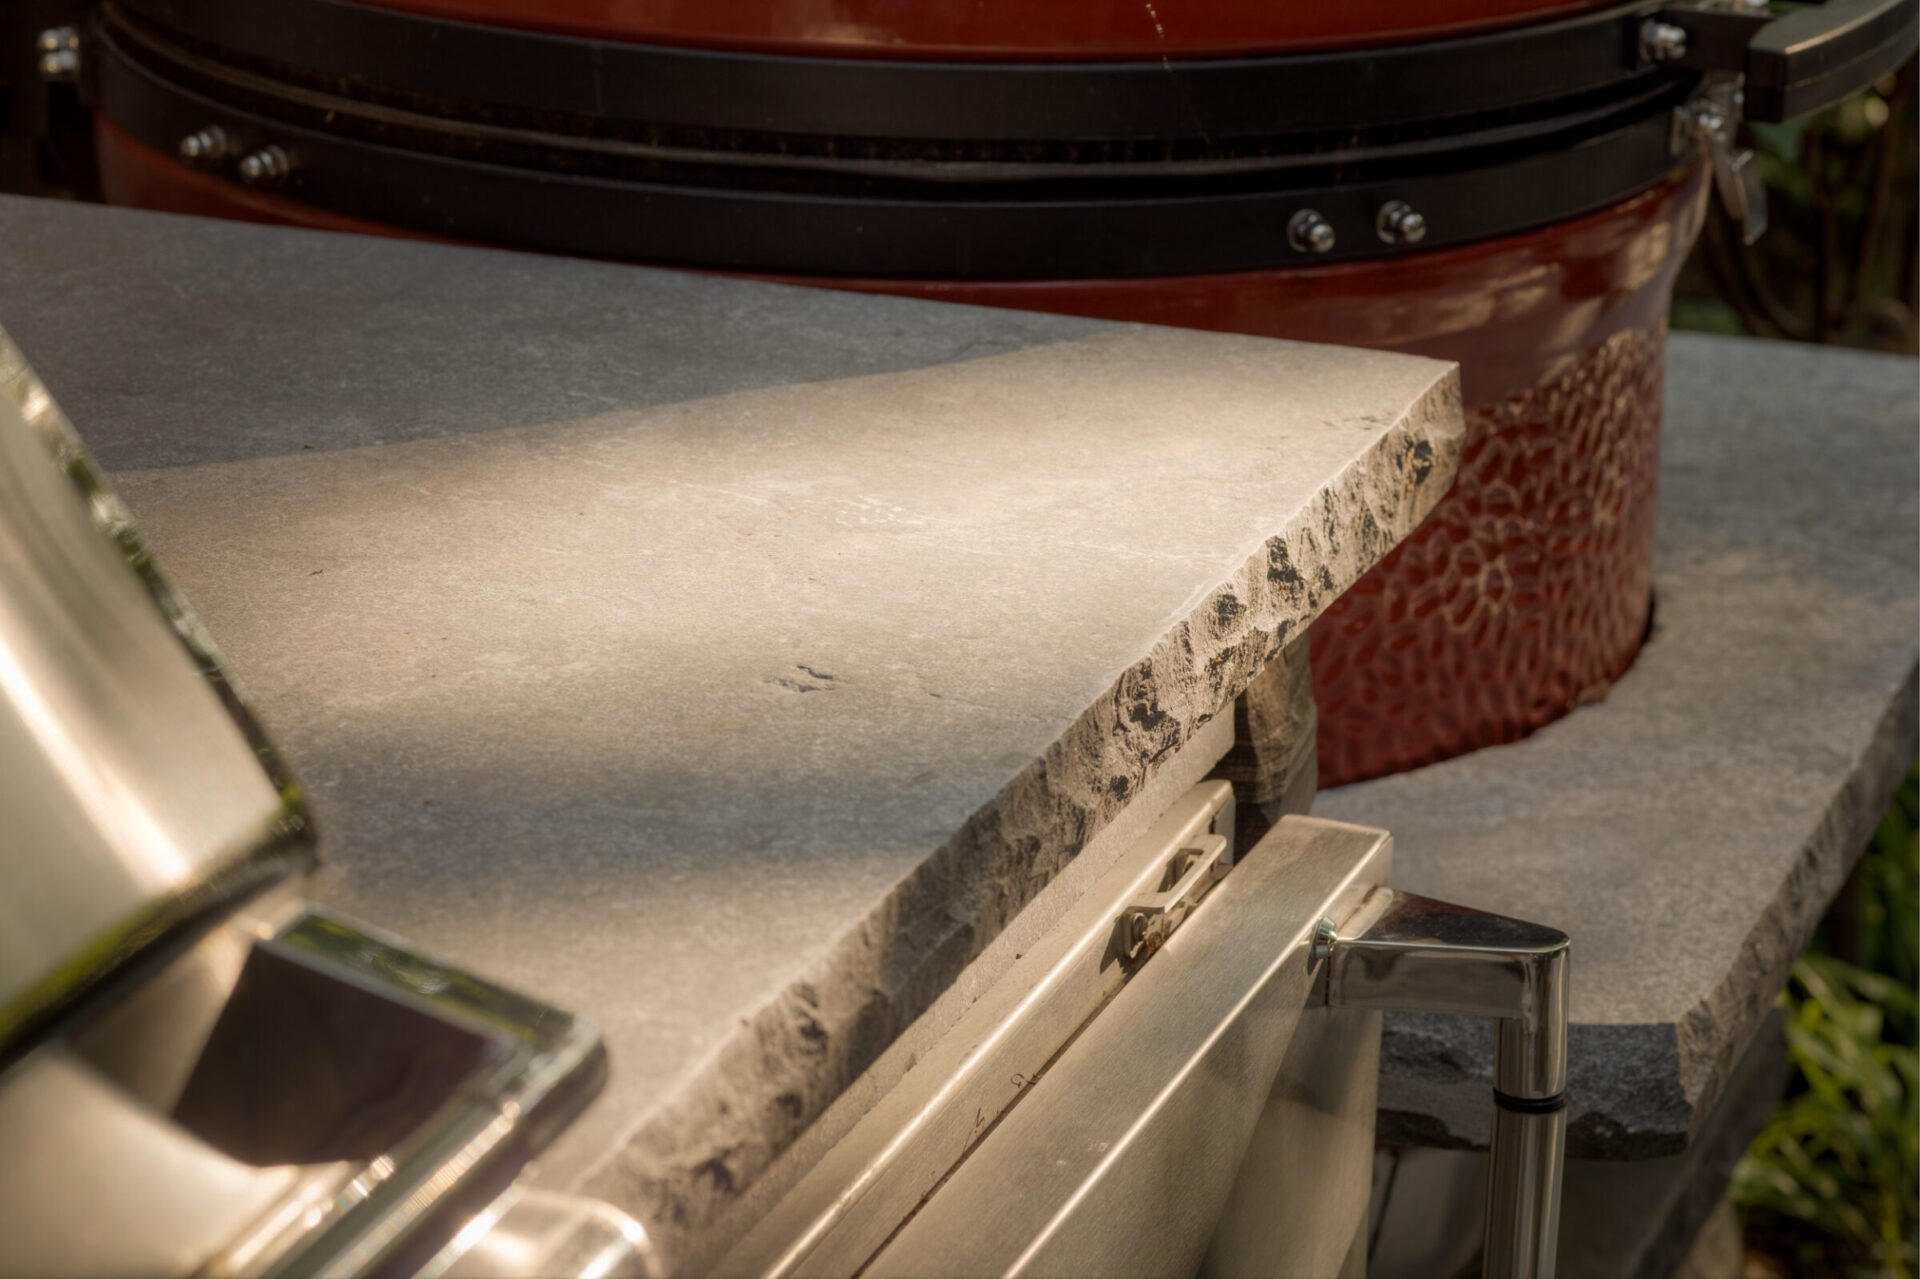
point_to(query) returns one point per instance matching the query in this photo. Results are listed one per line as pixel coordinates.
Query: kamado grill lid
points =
(136, 790)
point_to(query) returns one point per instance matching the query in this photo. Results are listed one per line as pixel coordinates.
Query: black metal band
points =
(1530, 1105)
(1516, 69)
(539, 194)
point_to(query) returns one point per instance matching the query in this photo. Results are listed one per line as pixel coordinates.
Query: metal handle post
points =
(1413, 954)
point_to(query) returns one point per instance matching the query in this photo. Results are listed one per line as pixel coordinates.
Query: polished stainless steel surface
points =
(1299, 1208)
(1120, 1158)
(1408, 952)
(1526, 1172)
(536, 1234)
(1411, 953)
(845, 1208)
(133, 789)
(294, 1095)
(96, 1184)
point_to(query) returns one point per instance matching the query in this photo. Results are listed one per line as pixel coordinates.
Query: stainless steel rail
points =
(1412, 954)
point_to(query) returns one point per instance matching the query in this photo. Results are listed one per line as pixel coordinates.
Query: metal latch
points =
(1145, 925)
(1712, 117)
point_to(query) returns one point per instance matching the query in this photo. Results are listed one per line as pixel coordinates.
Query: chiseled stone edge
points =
(1715, 1033)
(698, 1151)
(1642, 1091)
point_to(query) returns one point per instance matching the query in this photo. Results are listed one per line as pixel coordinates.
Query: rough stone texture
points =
(1689, 831)
(724, 662)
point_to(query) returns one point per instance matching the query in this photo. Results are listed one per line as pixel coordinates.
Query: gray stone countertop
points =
(1689, 831)
(725, 662)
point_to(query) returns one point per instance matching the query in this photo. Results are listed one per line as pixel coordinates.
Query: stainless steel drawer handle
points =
(1412, 954)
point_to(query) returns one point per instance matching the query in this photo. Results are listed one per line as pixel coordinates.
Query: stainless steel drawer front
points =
(1119, 1160)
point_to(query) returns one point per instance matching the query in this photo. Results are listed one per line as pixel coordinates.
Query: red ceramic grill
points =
(1511, 184)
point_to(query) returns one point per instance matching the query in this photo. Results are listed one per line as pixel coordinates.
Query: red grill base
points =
(1524, 594)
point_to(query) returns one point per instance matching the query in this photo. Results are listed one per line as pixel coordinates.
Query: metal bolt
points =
(1308, 232)
(59, 54)
(1400, 223)
(1325, 935)
(208, 146)
(1662, 41)
(1705, 119)
(265, 167)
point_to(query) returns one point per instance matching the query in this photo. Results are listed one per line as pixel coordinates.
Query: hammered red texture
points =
(1528, 588)
(1525, 593)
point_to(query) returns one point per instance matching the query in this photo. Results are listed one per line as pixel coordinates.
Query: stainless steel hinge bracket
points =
(1147, 922)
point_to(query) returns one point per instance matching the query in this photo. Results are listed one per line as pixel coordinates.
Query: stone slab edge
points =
(698, 1151)
(1642, 1091)
(1640, 1220)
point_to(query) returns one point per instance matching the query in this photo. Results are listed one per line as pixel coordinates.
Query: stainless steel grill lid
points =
(135, 791)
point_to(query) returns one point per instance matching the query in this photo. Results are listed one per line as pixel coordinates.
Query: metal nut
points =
(265, 167)
(1400, 223)
(1700, 121)
(59, 54)
(1308, 232)
(1662, 41)
(208, 146)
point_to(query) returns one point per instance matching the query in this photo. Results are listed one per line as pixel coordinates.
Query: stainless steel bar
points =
(1524, 1172)
(1414, 954)
(528, 1233)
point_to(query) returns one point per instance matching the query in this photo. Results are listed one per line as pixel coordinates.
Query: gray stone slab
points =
(724, 662)
(1618, 1219)
(439, 347)
(1689, 831)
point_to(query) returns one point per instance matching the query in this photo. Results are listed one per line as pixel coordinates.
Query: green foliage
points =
(1830, 1185)
(1889, 891)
